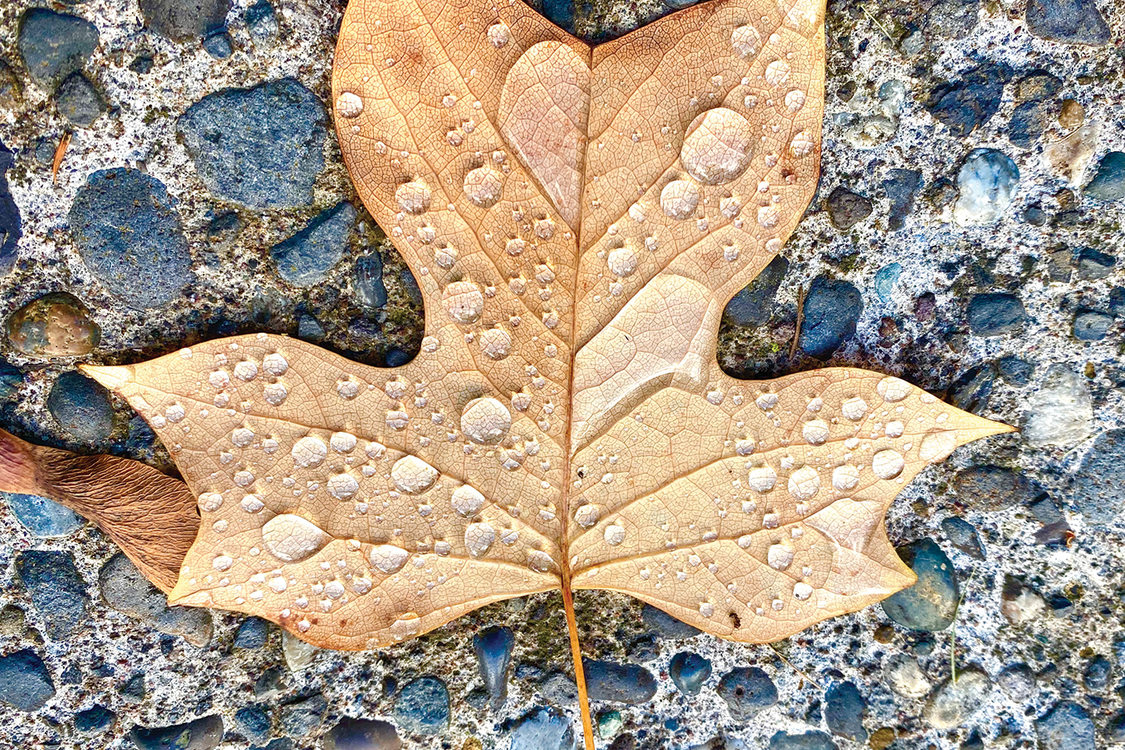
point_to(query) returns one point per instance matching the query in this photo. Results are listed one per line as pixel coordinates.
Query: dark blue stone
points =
(301, 717)
(963, 535)
(93, 720)
(1100, 477)
(665, 625)
(806, 741)
(362, 734)
(201, 734)
(133, 689)
(493, 647)
(183, 20)
(1091, 325)
(254, 722)
(843, 711)
(54, 45)
(543, 729)
(262, 147)
(1096, 675)
(25, 683)
(901, 186)
(995, 313)
(81, 407)
(42, 517)
(613, 681)
(219, 45)
(79, 101)
(1029, 121)
(309, 329)
(57, 590)
(252, 633)
(369, 281)
(261, 21)
(129, 235)
(1015, 370)
(689, 671)
(305, 258)
(10, 225)
(972, 390)
(1066, 726)
(747, 692)
(422, 706)
(1091, 263)
(410, 284)
(1115, 729)
(754, 303)
(1074, 21)
(966, 104)
(831, 310)
(931, 603)
(1109, 181)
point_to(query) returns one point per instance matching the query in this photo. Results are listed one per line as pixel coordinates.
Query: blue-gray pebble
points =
(422, 706)
(201, 734)
(931, 603)
(42, 517)
(995, 313)
(831, 310)
(305, 258)
(1066, 726)
(843, 711)
(806, 741)
(54, 45)
(689, 671)
(57, 590)
(1098, 481)
(81, 407)
(747, 692)
(25, 683)
(493, 647)
(623, 683)
(543, 729)
(362, 734)
(1108, 183)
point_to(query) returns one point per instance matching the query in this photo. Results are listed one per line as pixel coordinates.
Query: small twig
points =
(60, 153)
(800, 321)
(875, 21)
(790, 664)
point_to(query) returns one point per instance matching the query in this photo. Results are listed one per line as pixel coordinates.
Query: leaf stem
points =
(576, 653)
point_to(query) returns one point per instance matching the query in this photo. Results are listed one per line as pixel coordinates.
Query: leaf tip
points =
(113, 378)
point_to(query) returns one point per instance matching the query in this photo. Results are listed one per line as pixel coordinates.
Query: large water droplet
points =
(815, 431)
(463, 301)
(845, 477)
(412, 475)
(483, 186)
(779, 556)
(485, 421)
(804, 483)
(342, 486)
(467, 500)
(746, 40)
(679, 198)
(479, 537)
(854, 408)
(887, 464)
(717, 146)
(622, 261)
(349, 104)
(413, 197)
(614, 534)
(496, 343)
(291, 538)
(309, 451)
(387, 558)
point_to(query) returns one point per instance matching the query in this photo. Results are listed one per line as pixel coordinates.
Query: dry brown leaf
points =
(151, 516)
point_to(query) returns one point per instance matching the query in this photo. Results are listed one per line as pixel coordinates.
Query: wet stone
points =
(1018, 681)
(94, 720)
(1096, 675)
(126, 590)
(302, 717)
(133, 689)
(956, 702)
(1014, 370)
(422, 706)
(58, 593)
(25, 683)
(643, 648)
(42, 517)
(369, 287)
(846, 208)
(931, 603)
(831, 311)
(543, 729)
(747, 691)
(493, 647)
(1066, 726)
(610, 724)
(54, 325)
(559, 689)
(995, 313)
(952, 19)
(844, 707)
(183, 20)
(305, 258)
(963, 535)
(261, 21)
(201, 734)
(1091, 325)
(1099, 479)
(966, 104)
(905, 676)
(689, 671)
(362, 734)
(986, 182)
(261, 146)
(54, 45)
(806, 741)
(252, 633)
(79, 101)
(885, 280)
(991, 488)
(10, 381)
(1074, 21)
(1029, 121)
(901, 186)
(253, 721)
(81, 407)
(11, 225)
(1060, 411)
(1037, 85)
(1108, 183)
(623, 683)
(972, 390)
(1020, 603)
(219, 45)
(129, 235)
(1090, 263)
(754, 302)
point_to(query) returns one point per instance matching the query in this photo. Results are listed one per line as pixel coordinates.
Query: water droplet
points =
(291, 538)
(716, 147)
(777, 72)
(854, 408)
(483, 186)
(463, 301)
(496, 343)
(479, 537)
(539, 561)
(587, 515)
(210, 502)
(275, 394)
(222, 562)
(499, 34)
(794, 100)
(485, 421)
(762, 479)
(768, 216)
(243, 478)
(467, 500)
(342, 486)
(802, 590)
(406, 626)
(746, 40)
(387, 558)
(275, 364)
(779, 556)
(349, 105)
(894, 429)
(175, 413)
(614, 534)
(544, 229)
(815, 431)
(445, 256)
(252, 503)
(413, 197)
(845, 477)
(622, 261)
(804, 483)
(246, 370)
(515, 246)
(412, 475)
(744, 447)
(893, 389)
(887, 464)
(342, 442)
(309, 451)
(679, 198)
(801, 145)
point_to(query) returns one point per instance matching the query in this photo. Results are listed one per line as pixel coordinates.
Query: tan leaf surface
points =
(576, 218)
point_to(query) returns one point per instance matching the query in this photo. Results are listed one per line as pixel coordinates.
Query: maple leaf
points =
(577, 217)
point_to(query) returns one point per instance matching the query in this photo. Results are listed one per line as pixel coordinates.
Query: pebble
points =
(846, 208)
(991, 488)
(422, 706)
(252, 633)
(1099, 479)
(1108, 183)
(905, 677)
(130, 237)
(262, 147)
(201, 734)
(42, 517)
(1061, 411)
(844, 707)
(25, 683)
(54, 45)
(11, 228)
(133, 690)
(807, 741)
(1096, 675)
(219, 45)
(1073, 21)
(298, 654)
(1018, 681)
(81, 407)
(987, 181)
(1093, 264)
(952, 19)
(747, 691)
(94, 720)
(931, 603)
(305, 258)
(10, 381)
(1019, 602)
(831, 310)
(300, 718)
(254, 722)
(995, 314)
(972, 390)
(885, 280)
(362, 734)
(689, 671)
(1091, 325)
(184, 20)
(369, 287)
(963, 535)
(613, 681)
(1066, 726)
(543, 729)
(54, 325)
(754, 302)
(493, 647)
(610, 724)
(1014, 370)
(58, 593)
(954, 703)
(261, 21)
(966, 104)
(1029, 121)
(1036, 86)
(124, 589)
(901, 186)
(559, 688)
(79, 101)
